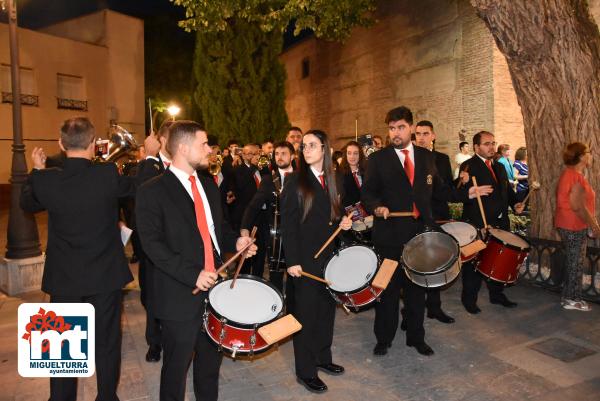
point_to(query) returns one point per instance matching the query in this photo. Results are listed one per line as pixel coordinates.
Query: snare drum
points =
(504, 254)
(431, 259)
(233, 316)
(464, 233)
(350, 272)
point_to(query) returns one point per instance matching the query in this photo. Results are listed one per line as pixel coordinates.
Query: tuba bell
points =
(214, 165)
(263, 162)
(121, 143)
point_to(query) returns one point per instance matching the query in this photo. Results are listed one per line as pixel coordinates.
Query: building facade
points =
(91, 66)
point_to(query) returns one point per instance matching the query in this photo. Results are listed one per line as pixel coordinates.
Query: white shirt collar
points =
(316, 173)
(484, 159)
(182, 175)
(164, 158)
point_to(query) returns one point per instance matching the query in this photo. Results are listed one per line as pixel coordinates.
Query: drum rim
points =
(447, 266)
(245, 325)
(228, 349)
(368, 283)
(477, 232)
(506, 244)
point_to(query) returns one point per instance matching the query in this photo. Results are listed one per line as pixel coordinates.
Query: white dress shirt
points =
(184, 178)
(411, 154)
(282, 174)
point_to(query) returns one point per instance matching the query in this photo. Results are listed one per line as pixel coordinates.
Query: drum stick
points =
(479, 202)
(335, 233)
(534, 186)
(401, 214)
(241, 261)
(319, 279)
(230, 261)
(460, 183)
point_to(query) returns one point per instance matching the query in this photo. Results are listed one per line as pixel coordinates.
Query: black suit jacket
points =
(302, 239)
(386, 184)
(495, 204)
(166, 222)
(244, 189)
(351, 190)
(265, 195)
(85, 254)
(444, 168)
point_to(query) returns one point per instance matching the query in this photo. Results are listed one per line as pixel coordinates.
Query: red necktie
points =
(410, 173)
(356, 180)
(209, 261)
(322, 179)
(256, 180)
(167, 164)
(216, 178)
(488, 163)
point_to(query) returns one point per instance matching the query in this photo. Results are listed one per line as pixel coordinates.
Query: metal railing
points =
(72, 104)
(26, 100)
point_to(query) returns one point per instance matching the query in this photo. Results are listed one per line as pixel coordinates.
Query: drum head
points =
(249, 302)
(351, 269)
(464, 233)
(509, 238)
(430, 252)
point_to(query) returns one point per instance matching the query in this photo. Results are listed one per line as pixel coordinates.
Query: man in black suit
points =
(401, 177)
(482, 166)
(246, 181)
(181, 225)
(85, 260)
(268, 194)
(425, 136)
(152, 166)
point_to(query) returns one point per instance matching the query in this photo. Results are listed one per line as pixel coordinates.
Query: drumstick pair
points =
(230, 261)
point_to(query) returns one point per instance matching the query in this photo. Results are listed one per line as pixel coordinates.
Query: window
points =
(28, 85)
(71, 92)
(305, 68)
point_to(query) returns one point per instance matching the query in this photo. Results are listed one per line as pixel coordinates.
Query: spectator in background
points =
(575, 213)
(521, 173)
(503, 157)
(462, 156)
(377, 142)
(336, 158)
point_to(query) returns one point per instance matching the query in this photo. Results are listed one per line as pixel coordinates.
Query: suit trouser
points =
(434, 300)
(108, 347)
(471, 280)
(153, 331)
(182, 342)
(387, 310)
(315, 310)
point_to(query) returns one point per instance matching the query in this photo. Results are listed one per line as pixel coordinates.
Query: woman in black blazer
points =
(352, 169)
(311, 210)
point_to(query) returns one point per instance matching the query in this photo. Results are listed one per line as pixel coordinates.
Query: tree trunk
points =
(553, 52)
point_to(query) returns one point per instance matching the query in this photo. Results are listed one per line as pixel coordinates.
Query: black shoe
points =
(331, 368)
(440, 316)
(507, 303)
(403, 325)
(153, 354)
(422, 348)
(313, 384)
(381, 348)
(472, 309)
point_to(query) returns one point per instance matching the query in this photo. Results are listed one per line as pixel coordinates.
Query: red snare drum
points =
(350, 272)
(504, 253)
(233, 316)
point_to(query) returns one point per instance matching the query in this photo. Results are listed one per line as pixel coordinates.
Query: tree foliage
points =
(240, 82)
(330, 19)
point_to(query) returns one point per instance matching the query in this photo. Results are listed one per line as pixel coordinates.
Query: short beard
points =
(283, 167)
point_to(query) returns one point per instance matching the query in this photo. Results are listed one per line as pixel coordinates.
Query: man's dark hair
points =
(462, 145)
(477, 137)
(163, 131)
(212, 140)
(399, 113)
(77, 133)
(181, 131)
(268, 140)
(293, 128)
(284, 144)
(233, 141)
(425, 123)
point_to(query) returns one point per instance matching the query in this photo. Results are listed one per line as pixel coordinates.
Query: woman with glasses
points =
(575, 212)
(310, 212)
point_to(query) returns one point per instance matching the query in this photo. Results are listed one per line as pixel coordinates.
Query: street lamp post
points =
(22, 236)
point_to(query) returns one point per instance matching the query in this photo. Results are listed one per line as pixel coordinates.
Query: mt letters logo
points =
(56, 340)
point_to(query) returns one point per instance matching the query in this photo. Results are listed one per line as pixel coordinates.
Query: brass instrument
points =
(214, 164)
(121, 144)
(263, 162)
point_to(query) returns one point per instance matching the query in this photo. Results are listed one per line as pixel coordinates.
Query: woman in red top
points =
(575, 213)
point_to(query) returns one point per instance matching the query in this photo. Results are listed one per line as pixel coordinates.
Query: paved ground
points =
(535, 352)
(498, 355)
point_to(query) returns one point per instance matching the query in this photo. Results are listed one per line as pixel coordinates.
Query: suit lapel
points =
(180, 196)
(213, 200)
(420, 168)
(396, 164)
